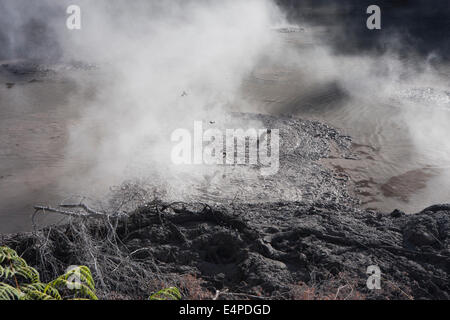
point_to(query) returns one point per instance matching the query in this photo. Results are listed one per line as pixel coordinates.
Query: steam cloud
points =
(150, 52)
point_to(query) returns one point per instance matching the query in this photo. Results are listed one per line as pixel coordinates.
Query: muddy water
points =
(400, 136)
(36, 108)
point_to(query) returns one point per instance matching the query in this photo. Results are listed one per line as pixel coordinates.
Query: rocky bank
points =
(269, 250)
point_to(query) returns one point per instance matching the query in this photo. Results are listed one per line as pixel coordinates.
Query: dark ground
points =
(255, 251)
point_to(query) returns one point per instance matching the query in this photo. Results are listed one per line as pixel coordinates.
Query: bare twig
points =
(218, 293)
(85, 211)
(339, 290)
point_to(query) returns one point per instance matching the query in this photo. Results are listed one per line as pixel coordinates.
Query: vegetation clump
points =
(22, 282)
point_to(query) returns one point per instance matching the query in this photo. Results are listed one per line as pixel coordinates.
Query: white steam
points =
(165, 65)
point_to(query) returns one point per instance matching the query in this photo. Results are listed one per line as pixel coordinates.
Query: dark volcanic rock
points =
(266, 248)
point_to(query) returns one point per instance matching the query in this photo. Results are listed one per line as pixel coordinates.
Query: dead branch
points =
(85, 211)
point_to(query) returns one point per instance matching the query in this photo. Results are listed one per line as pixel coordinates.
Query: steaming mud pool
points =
(367, 159)
(230, 230)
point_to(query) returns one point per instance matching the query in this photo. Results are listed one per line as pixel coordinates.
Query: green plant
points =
(22, 282)
(171, 293)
